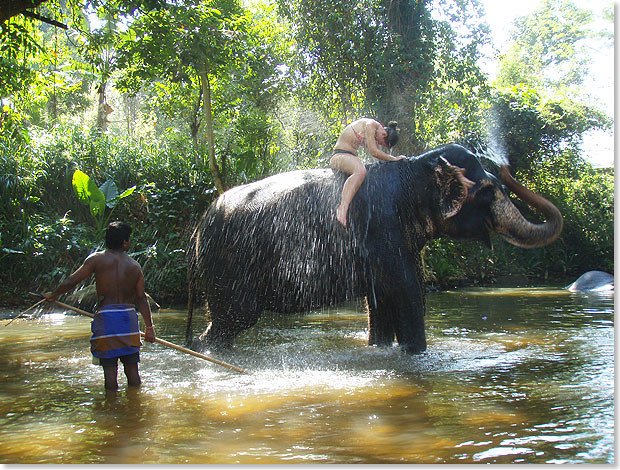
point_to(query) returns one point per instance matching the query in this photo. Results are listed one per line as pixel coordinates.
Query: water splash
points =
(495, 150)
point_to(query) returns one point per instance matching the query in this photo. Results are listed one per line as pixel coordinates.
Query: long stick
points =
(28, 309)
(161, 341)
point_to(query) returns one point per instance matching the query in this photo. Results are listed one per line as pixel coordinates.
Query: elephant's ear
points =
(452, 192)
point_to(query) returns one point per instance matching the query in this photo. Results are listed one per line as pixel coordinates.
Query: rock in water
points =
(593, 281)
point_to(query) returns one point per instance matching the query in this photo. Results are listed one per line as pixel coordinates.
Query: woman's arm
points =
(371, 143)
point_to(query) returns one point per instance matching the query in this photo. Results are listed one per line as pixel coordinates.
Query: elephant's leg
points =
(400, 307)
(230, 316)
(380, 325)
(217, 336)
(409, 324)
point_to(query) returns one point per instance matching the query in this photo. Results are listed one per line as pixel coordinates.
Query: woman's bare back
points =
(353, 136)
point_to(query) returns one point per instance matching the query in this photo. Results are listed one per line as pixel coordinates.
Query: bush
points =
(45, 233)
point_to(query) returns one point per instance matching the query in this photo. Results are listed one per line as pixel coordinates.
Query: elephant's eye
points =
(486, 193)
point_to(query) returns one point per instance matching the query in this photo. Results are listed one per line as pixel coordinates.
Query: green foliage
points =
(216, 66)
(448, 263)
(548, 50)
(88, 193)
(337, 41)
(175, 42)
(533, 127)
(585, 196)
(46, 231)
(42, 252)
(97, 199)
(17, 41)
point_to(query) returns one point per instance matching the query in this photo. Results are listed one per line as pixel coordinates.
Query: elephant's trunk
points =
(516, 229)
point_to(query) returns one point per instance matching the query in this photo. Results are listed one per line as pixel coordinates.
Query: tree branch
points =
(10, 8)
(45, 20)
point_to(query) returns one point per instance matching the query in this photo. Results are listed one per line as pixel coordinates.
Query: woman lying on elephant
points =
(367, 133)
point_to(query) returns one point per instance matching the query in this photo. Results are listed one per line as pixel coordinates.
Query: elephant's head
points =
(468, 213)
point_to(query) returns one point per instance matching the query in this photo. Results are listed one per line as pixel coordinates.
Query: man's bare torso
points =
(116, 275)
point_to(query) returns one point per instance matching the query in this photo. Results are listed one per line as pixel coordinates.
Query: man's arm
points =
(81, 273)
(142, 305)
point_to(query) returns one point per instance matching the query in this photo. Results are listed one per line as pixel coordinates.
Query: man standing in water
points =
(120, 290)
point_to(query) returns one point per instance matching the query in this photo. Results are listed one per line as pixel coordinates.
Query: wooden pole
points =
(161, 341)
(27, 310)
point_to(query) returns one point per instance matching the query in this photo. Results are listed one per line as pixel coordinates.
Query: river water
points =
(510, 376)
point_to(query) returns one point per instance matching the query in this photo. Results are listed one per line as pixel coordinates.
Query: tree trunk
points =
(206, 103)
(194, 123)
(52, 107)
(103, 109)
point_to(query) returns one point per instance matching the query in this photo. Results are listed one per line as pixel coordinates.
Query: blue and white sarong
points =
(115, 331)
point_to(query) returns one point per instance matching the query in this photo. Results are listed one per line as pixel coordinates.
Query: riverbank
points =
(87, 300)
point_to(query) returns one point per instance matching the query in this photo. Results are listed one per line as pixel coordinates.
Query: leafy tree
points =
(334, 39)
(548, 50)
(43, 65)
(35, 68)
(388, 59)
(219, 67)
(189, 46)
(533, 127)
(540, 109)
(247, 97)
(18, 41)
(99, 48)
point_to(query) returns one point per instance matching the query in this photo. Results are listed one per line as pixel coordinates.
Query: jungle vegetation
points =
(146, 110)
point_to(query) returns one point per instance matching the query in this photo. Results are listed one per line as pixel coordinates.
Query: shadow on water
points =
(510, 375)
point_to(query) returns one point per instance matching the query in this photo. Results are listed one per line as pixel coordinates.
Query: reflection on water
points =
(511, 375)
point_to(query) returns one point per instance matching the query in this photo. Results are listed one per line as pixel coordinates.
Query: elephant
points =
(275, 244)
(593, 281)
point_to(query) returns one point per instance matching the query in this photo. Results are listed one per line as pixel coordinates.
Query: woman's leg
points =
(354, 167)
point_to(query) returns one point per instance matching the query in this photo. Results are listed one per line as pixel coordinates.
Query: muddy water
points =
(510, 376)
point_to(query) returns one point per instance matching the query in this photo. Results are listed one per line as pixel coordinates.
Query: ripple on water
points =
(508, 377)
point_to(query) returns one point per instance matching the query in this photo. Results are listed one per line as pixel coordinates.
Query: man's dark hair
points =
(116, 233)
(392, 134)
